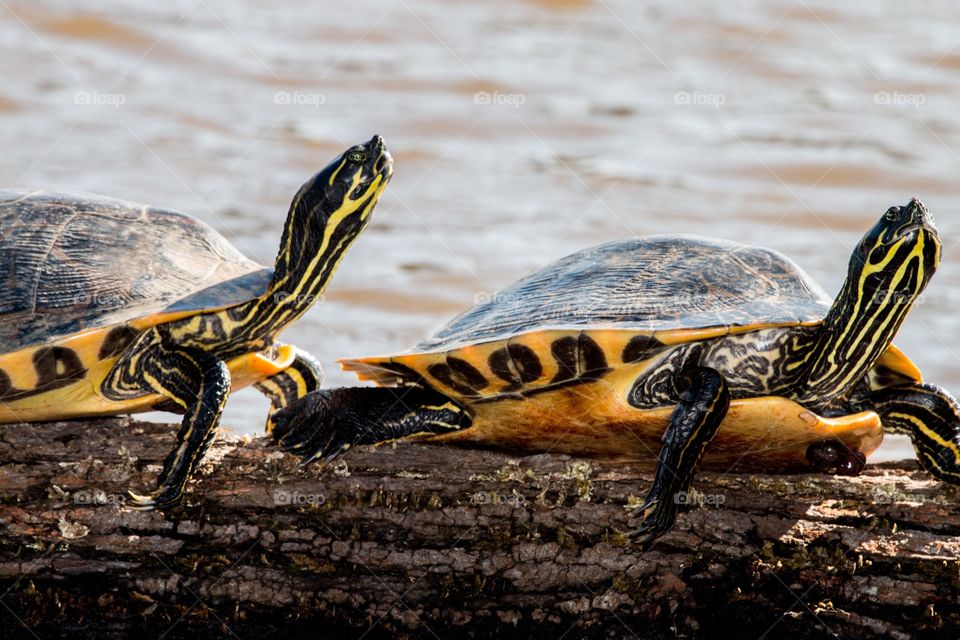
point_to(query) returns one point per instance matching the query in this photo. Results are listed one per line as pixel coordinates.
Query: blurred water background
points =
(522, 131)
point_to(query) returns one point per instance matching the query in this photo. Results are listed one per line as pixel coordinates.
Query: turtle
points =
(652, 348)
(111, 307)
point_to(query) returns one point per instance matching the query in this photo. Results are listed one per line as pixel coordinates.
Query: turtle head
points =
(326, 215)
(889, 269)
(345, 191)
(896, 259)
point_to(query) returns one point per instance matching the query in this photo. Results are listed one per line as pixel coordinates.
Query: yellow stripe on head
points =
(325, 217)
(888, 271)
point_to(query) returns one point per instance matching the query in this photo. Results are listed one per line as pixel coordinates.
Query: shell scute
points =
(76, 262)
(647, 284)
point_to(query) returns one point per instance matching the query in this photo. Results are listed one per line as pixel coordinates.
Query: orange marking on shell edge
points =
(540, 343)
(683, 336)
(19, 364)
(477, 356)
(896, 360)
(160, 318)
(611, 340)
(81, 399)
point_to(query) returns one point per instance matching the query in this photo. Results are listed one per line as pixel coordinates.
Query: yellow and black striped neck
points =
(326, 216)
(888, 271)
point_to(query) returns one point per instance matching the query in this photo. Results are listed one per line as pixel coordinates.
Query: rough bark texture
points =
(431, 541)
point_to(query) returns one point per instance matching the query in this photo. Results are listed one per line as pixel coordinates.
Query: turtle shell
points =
(646, 284)
(75, 262)
(614, 304)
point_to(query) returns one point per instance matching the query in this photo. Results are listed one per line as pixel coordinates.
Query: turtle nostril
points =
(918, 212)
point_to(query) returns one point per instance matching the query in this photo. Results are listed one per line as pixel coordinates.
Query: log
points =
(420, 540)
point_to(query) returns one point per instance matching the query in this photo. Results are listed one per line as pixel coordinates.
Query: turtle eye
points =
(357, 156)
(891, 214)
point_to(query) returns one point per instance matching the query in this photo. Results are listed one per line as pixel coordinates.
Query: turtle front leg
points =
(303, 376)
(194, 380)
(326, 423)
(693, 424)
(931, 417)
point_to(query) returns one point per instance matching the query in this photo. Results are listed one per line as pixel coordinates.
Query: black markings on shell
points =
(117, 340)
(55, 367)
(640, 348)
(57, 364)
(881, 377)
(578, 358)
(406, 375)
(459, 375)
(517, 364)
(5, 384)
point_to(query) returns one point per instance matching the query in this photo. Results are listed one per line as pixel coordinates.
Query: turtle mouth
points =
(914, 231)
(382, 161)
(384, 164)
(907, 230)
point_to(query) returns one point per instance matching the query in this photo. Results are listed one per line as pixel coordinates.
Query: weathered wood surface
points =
(431, 541)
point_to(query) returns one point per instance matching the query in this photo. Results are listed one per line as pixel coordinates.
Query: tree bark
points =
(420, 540)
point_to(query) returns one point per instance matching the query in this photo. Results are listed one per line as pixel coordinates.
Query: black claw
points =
(162, 498)
(659, 516)
(644, 537)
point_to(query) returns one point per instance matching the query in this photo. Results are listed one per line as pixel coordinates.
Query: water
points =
(522, 131)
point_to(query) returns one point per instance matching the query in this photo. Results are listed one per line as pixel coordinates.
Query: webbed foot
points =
(326, 423)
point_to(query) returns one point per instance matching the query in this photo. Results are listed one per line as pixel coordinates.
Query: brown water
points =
(522, 131)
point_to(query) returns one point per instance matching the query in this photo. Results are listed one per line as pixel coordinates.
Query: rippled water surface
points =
(522, 131)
